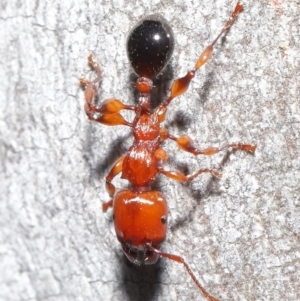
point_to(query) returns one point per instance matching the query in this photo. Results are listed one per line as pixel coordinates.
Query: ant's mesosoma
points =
(140, 213)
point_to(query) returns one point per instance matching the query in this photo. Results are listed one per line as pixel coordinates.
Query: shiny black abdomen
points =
(150, 46)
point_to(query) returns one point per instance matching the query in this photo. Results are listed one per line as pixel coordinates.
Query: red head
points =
(140, 219)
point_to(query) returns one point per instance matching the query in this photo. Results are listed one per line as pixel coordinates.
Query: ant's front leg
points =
(185, 143)
(110, 188)
(108, 112)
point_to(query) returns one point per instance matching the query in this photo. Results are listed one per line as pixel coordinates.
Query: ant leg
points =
(108, 112)
(107, 205)
(116, 169)
(178, 176)
(180, 85)
(110, 188)
(179, 259)
(185, 143)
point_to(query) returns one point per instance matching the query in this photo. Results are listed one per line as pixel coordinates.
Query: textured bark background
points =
(240, 234)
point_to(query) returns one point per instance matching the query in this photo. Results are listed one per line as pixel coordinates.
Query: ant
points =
(140, 213)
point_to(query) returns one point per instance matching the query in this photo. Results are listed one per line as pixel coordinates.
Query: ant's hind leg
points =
(91, 86)
(108, 112)
(181, 85)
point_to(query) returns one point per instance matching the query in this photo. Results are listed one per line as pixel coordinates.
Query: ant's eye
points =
(163, 219)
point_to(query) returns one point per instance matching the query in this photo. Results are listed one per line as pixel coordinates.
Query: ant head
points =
(150, 45)
(140, 256)
(140, 219)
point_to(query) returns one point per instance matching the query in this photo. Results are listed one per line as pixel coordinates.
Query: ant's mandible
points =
(140, 213)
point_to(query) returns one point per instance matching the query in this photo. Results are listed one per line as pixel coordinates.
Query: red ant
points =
(140, 213)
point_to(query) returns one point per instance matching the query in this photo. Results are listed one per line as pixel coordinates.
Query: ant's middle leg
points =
(108, 112)
(185, 143)
(181, 85)
(178, 176)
